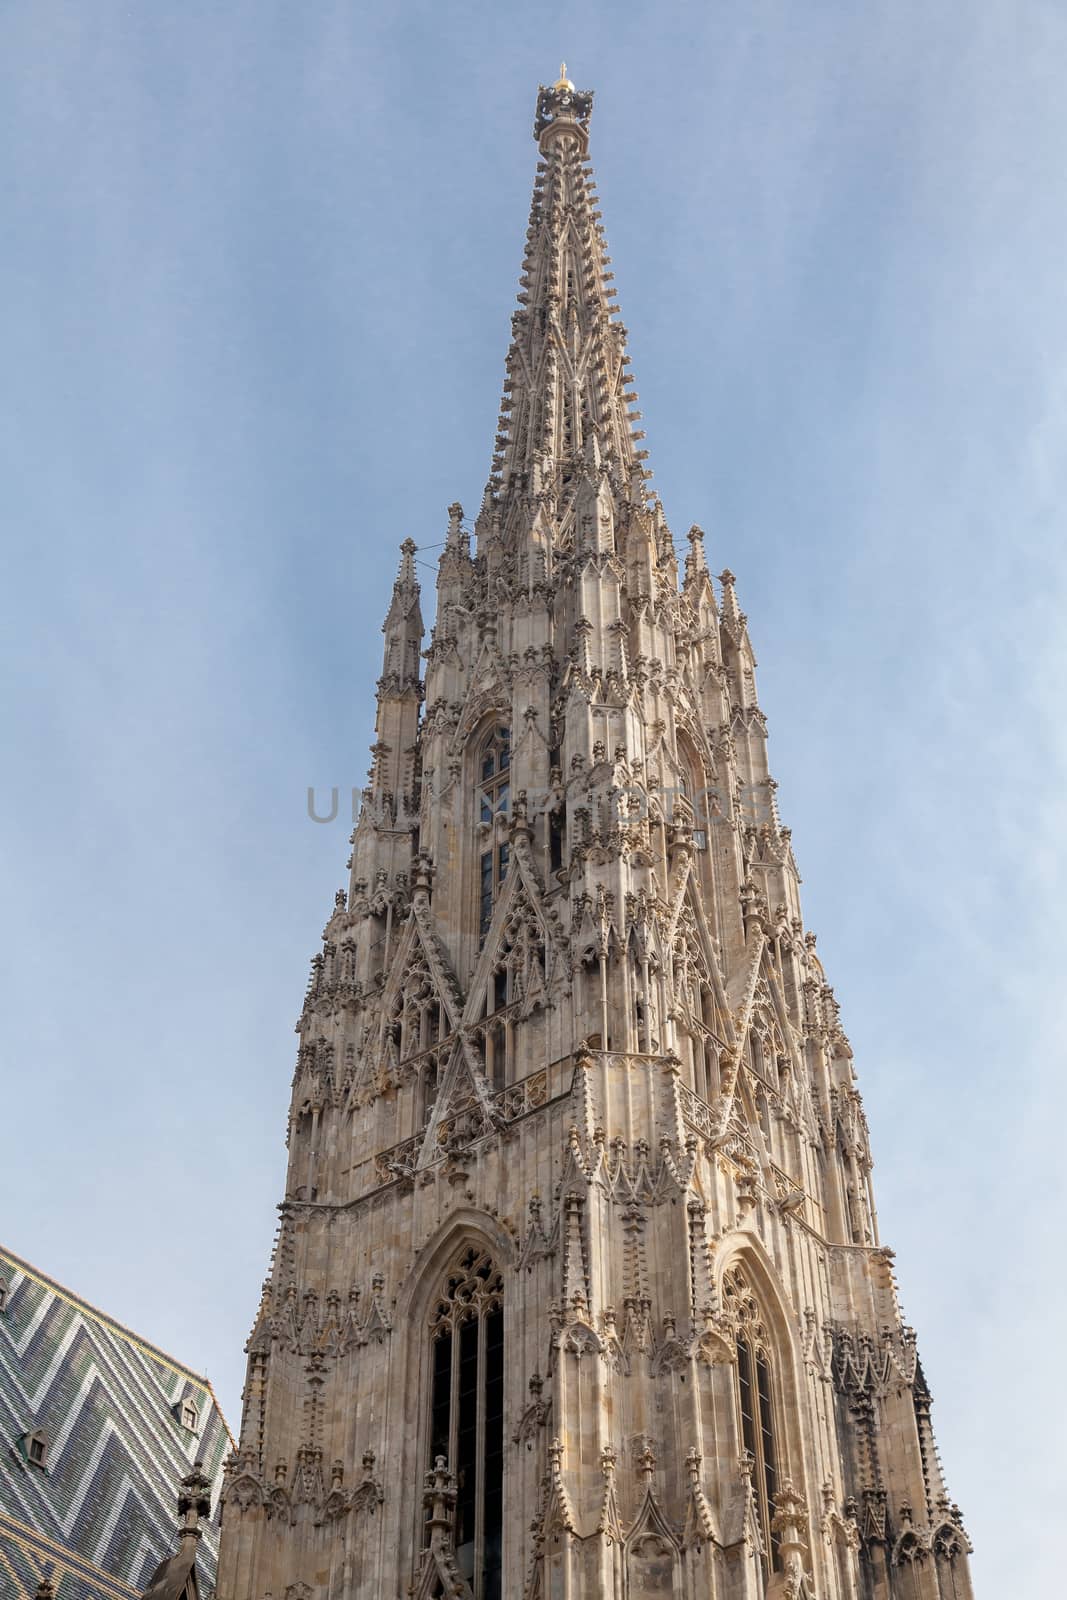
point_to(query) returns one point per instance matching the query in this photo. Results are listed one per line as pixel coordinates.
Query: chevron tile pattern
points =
(99, 1515)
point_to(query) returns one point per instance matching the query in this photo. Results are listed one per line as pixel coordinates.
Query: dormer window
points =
(3, 1293)
(34, 1448)
(187, 1415)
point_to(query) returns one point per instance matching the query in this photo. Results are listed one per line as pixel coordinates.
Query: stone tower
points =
(577, 1289)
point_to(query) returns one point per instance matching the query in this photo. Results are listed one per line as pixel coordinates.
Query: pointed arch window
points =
(557, 810)
(467, 1412)
(494, 795)
(417, 1031)
(706, 1063)
(494, 772)
(689, 783)
(431, 1075)
(754, 1399)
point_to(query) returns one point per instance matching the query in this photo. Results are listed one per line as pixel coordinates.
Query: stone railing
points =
(398, 1161)
(789, 1194)
(471, 1118)
(697, 1114)
(528, 1095)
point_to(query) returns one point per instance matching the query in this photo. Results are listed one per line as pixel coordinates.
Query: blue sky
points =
(255, 293)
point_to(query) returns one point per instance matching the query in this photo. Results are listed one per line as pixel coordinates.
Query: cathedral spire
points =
(393, 773)
(403, 629)
(573, 964)
(567, 371)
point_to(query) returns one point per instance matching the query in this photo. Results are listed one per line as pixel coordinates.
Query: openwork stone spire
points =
(578, 1231)
(568, 385)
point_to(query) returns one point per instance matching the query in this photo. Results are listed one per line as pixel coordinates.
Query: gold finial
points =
(564, 83)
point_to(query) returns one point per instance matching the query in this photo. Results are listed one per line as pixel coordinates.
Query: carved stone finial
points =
(439, 1496)
(563, 112)
(695, 561)
(194, 1501)
(746, 1191)
(790, 1523)
(405, 578)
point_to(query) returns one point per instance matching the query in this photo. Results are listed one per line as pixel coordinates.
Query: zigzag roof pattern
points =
(98, 1515)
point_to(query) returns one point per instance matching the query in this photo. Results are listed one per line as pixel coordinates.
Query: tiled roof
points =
(101, 1511)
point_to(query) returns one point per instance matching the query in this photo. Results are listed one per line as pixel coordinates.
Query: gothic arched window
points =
(705, 1035)
(494, 794)
(467, 1411)
(689, 786)
(754, 1400)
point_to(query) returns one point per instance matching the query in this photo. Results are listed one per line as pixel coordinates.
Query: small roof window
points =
(187, 1415)
(34, 1448)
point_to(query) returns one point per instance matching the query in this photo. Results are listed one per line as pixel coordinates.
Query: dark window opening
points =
(493, 871)
(494, 1455)
(766, 1434)
(494, 769)
(430, 1081)
(485, 897)
(498, 1057)
(442, 1396)
(467, 1414)
(466, 1467)
(755, 1403)
(744, 1386)
(555, 841)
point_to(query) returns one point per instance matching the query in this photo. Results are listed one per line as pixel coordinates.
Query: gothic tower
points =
(577, 1289)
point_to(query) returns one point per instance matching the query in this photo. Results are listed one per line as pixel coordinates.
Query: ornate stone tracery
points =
(473, 1288)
